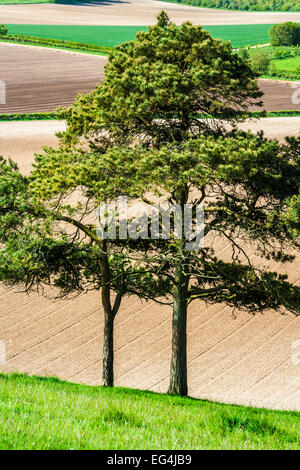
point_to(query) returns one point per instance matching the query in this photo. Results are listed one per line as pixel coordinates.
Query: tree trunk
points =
(109, 315)
(178, 373)
(108, 350)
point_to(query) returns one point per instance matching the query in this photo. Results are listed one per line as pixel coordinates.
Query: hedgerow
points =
(28, 117)
(92, 48)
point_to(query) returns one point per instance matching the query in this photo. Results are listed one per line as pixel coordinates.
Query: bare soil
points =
(40, 79)
(133, 12)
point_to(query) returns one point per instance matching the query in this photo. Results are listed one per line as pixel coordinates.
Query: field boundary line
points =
(54, 48)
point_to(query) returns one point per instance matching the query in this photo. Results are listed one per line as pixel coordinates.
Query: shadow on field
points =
(90, 2)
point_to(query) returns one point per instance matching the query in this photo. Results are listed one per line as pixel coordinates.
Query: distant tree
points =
(3, 30)
(260, 61)
(285, 34)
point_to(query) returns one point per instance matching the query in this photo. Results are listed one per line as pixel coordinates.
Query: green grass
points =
(290, 64)
(239, 35)
(276, 114)
(28, 117)
(20, 2)
(45, 413)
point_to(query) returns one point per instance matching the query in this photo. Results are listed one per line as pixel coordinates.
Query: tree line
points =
(139, 135)
(250, 5)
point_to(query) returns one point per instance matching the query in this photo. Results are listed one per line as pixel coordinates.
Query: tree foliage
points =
(156, 86)
(248, 5)
(3, 30)
(155, 89)
(249, 188)
(285, 34)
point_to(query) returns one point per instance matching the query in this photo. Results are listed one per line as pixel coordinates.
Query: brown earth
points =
(242, 359)
(133, 12)
(40, 79)
(280, 95)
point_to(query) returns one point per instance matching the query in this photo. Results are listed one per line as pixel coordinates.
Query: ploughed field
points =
(40, 79)
(237, 359)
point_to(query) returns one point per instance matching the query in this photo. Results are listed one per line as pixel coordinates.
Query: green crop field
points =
(45, 413)
(239, 35)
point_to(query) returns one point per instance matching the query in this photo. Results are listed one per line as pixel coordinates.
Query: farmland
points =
(239, 35)
(233, 357)
(16, 2)
(133, 13)
(245, 5)
(32, 88)
(244, 359)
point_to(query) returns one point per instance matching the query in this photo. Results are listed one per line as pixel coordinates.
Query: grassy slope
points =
(45, 413)
(240, 35)
(290, 63)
